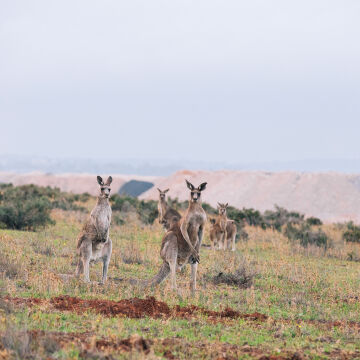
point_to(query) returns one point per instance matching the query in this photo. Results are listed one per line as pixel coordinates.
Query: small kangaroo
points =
(181, 244)
(231, 231)
(218, 228)
(166, 213)
(94, 243)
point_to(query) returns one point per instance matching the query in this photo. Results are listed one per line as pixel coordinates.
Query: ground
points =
(295, 303)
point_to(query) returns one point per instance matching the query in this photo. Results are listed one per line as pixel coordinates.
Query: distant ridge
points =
(331, 196)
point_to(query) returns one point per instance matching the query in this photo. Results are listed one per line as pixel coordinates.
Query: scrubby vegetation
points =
(273, 298)
(28, 207)
(146, 211)
(352, 232)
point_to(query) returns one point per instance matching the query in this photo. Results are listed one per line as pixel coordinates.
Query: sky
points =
(226, 81)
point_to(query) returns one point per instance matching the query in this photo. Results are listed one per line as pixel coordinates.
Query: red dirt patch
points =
(133, 308)
(138, 308)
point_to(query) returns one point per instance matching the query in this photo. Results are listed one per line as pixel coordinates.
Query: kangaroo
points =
(231, 231)
(166, 213)
(218, 228)
(94, 243)
(181, 244)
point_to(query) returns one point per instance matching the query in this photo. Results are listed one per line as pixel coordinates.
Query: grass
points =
(300, 290)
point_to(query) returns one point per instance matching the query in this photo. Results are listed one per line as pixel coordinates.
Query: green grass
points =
(291, 286)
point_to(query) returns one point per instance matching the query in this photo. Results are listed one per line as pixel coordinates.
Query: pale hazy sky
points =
(202, 79)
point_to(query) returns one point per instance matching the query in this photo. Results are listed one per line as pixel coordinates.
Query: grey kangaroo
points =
(181, 244)
(94, 243)
(218, 228)
(231, 231)
(166, 214)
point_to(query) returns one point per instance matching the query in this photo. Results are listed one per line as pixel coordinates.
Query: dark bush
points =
(249, 216)
(275, 219)
(313, 221)
(209, 209)
(306, 236)
(28, 207)
(146, 211)
(24, 208)
(352, 233)
(178, 205)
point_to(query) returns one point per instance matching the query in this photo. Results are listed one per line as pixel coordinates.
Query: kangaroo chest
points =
(102, 218)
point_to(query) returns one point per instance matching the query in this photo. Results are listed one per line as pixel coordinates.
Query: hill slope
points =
(330, 196)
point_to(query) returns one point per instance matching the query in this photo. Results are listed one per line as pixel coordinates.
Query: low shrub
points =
(146, 211)
(306, 236)
(352, 233)
(313, 221)
(28, 207)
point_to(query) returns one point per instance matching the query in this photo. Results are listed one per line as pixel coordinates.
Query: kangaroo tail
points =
(157, 279)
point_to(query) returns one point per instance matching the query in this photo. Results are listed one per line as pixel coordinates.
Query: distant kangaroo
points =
(181, 244)
(166, 213)
(230, 234)
(94, 243)
(218, 228)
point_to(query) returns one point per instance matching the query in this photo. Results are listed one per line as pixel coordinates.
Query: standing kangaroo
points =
(218, 229)
(181, 244)
(166, 213)
(94, 243)
(231, 231)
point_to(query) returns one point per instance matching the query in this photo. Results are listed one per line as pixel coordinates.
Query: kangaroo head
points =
(162, 194)
(104, 187)
(195, 193)
(222, 208)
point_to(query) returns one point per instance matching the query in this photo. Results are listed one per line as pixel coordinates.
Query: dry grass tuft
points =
(242, 275)
(131, 254)
(10, 268)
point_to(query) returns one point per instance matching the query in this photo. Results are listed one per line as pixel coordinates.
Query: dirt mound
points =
(133, 308)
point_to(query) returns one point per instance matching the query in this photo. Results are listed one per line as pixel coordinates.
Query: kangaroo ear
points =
(219, 205)
(165, 191)
(100, 180)
(159, 190)
(190, 185)
(108, 181)
(202, 186)
(226, 205)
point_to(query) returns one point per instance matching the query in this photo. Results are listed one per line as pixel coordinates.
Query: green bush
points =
(24, 208)
(277, 218)
(28, 207)
(306, 236)
(250, 216)
(146, 211)
(352, 233)
(313, 221)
